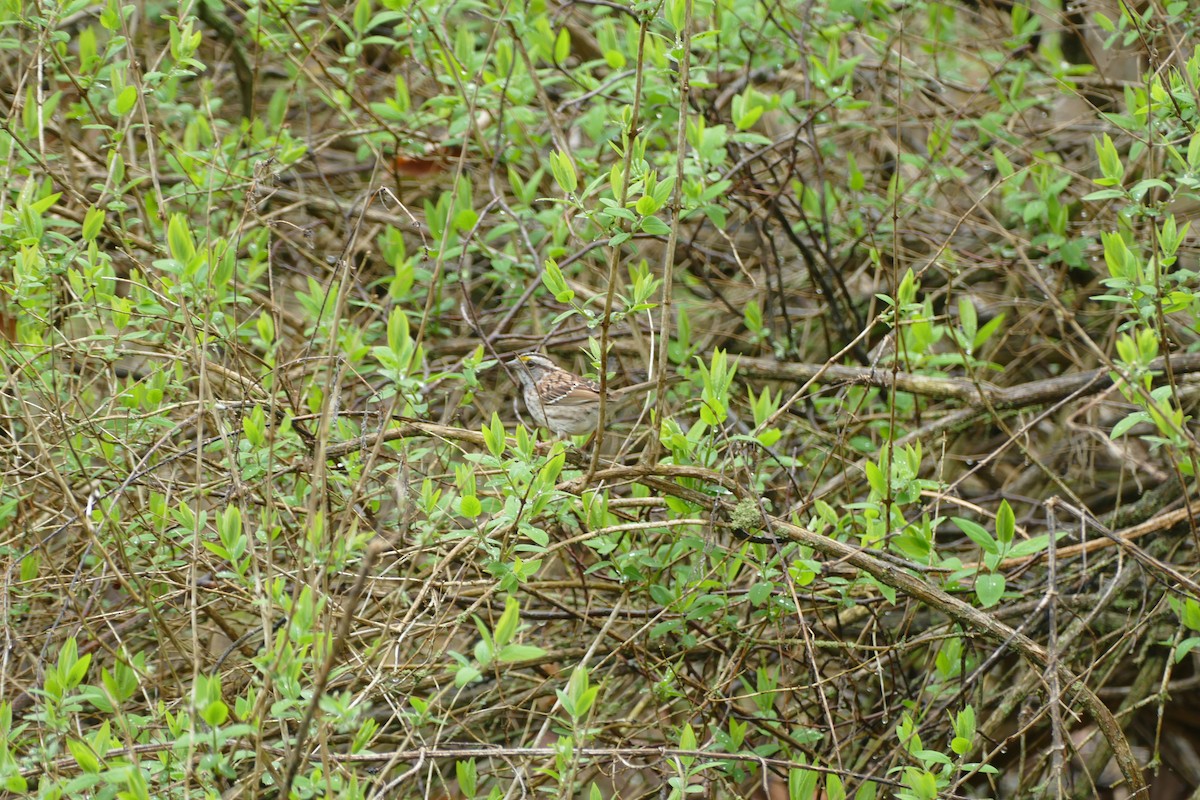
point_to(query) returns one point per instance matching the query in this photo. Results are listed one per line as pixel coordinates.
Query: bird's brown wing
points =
(570, 391)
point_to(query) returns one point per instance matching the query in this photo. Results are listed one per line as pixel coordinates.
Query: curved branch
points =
(1092, 381)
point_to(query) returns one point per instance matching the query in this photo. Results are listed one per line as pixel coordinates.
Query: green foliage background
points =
(907, 514)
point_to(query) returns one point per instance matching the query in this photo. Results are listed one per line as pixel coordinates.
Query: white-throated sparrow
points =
(563, 402)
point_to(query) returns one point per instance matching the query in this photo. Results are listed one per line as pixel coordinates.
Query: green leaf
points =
(562, 166)
(1111, 168)
(93, 220)
(467, 773)
(578, 697)
(1003, 165)
(362, 16)
(216, 713)
(466, 674)
(802, 784)
(1104, 194)
(512, 653)
(968, 320)
(655, 226)
(506, 626)
(1186, 646)
(1193, 152)
(493, 436)
(1032, 545)
(562, 48)
(646, 205)
(989, 589)
(1005, 523)
(976, 533)
(469, 506)
(876, 479)
(125, 101)
(1139, 189)
(1189, 614)
(83, 755)
(1123, 427)
(179, 239)
(687, 741)
(552, 279)
(676, 13)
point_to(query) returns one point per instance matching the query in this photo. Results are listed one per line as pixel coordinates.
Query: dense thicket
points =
(908, 510)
